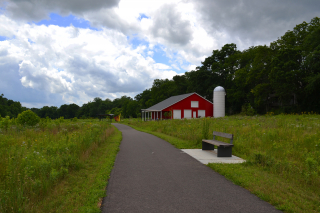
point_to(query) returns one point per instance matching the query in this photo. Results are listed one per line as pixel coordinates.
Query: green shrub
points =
(61, 119)
(28, 118)
(247, 109)
(43, 124)
(167, 114)
(5, 123)
(48, 119)
(58, 122)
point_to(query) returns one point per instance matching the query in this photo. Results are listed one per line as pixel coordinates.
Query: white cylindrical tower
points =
(219, 98)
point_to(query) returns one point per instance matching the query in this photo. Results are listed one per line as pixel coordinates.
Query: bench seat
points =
(224, 149)
(218, 143)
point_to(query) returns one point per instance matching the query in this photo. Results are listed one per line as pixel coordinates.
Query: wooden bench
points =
(224, 149)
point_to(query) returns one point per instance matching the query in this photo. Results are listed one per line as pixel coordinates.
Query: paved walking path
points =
(150, 175)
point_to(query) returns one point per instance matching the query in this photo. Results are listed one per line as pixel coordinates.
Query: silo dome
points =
(219, 97)
(219, 89)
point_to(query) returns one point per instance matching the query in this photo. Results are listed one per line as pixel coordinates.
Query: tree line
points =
(10, 108)
(87, 110)
(283, 77)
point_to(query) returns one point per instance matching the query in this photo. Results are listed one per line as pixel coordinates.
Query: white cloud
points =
(162, 66)
(169, 26)
(34, 10)
(172, 24)
(68, 64)
(251, 22)
(7, 26)
(150, 53)
(43, 79)
(79, 64)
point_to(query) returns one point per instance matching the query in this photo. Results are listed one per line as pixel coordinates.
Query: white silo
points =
(219, 98)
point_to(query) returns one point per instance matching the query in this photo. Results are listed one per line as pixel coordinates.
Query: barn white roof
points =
(169, 102)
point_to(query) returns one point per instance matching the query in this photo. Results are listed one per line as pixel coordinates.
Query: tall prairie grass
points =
(286, 145)
(34, 159)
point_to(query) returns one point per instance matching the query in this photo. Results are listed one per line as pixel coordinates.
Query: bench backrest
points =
(224, 135)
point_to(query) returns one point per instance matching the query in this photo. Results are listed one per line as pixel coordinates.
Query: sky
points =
(71, 51)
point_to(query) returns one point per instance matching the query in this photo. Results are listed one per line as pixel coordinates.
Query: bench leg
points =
(207, 146)
(225, 152)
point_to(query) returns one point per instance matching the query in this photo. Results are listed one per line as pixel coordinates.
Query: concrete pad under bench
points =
(210, 156)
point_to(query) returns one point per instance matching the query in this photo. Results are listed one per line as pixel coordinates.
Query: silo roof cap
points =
(219, 89)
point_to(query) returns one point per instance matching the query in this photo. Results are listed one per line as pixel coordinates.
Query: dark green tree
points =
(142, 99)
(252, 79)
(162, 89)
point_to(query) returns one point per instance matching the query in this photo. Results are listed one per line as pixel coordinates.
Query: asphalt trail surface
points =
(151, 175)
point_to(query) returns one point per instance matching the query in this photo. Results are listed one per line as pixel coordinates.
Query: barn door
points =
(194, 114)
(187, 113)
(176, 114)
(202, 113)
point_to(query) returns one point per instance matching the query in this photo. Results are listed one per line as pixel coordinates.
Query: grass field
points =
(282, 153)
(58, 166)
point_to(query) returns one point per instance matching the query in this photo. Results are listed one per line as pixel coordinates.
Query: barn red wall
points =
(186, 104)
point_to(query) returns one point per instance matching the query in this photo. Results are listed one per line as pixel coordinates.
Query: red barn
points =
(189, 105)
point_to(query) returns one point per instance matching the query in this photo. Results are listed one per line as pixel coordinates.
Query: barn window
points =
(194, 104)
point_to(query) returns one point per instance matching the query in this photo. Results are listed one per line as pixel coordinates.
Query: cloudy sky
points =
(71, 51)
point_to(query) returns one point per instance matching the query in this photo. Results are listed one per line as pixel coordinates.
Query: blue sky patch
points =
(66, 21)
(59, 69)
(136, 41)
(159, 56)
(30, 41)
(68, 79)
(3, 38)
(142, 16)
(3, 7)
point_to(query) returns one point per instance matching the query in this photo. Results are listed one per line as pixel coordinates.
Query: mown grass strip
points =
(83, 190)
